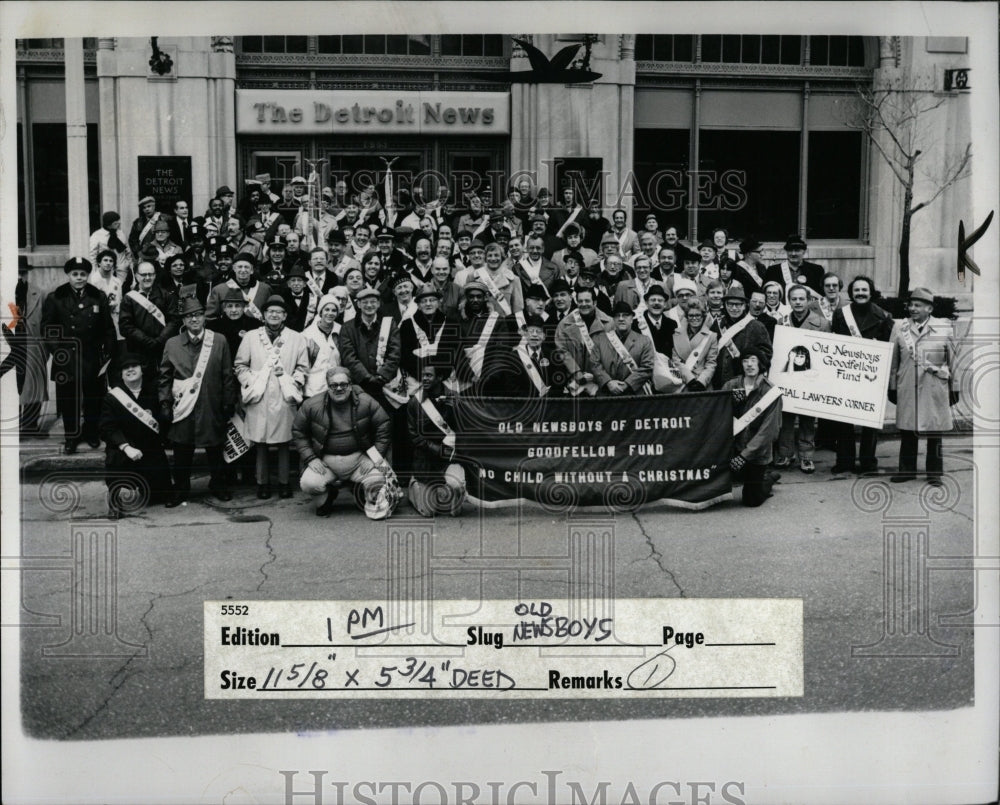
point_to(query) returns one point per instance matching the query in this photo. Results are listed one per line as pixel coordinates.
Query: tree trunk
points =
(904, 233)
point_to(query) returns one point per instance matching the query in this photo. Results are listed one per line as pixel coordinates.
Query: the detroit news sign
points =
(831, 376)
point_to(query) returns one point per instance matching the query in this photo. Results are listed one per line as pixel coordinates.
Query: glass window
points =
(22, 200)
(834, 194)
(749, 182)
(472, 45)
(274, 44)
(49, 178)
(376, 44)
(661, 182)
(837, 51)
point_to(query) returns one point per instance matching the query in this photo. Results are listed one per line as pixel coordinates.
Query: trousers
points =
(908, 446)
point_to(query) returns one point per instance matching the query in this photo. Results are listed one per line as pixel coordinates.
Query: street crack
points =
(656, 556)
(270, 550)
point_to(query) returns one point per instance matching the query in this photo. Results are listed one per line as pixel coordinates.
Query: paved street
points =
(812, 540)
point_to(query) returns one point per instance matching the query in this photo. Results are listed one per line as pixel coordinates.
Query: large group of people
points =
(338, 331)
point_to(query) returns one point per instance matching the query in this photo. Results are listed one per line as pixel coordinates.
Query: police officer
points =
(80, 336)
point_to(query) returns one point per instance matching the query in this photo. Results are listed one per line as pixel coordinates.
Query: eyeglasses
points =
(146, 276)
(339, 385)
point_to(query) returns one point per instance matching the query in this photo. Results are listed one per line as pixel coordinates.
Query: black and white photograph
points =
(397, 408)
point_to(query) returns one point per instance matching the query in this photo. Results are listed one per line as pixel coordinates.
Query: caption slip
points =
(488, 649)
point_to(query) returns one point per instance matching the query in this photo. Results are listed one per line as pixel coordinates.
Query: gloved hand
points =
(695, 385)
(953, 397)
(739, 395)
(737, 463)
(892, 396)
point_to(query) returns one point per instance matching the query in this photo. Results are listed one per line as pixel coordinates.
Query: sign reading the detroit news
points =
(263, 111)
(831, 376)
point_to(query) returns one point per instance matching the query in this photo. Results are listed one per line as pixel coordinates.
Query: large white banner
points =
(831, 376)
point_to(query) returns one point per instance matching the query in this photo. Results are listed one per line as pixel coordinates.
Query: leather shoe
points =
(903, 477)
(176, 500)
(935, 480)
(70, 447)
(284, 491)
(326, 507)
(223, 494)
(95, 443)
(263, 491)
(807, 466)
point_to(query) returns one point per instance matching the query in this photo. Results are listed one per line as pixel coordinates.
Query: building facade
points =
(753, 133)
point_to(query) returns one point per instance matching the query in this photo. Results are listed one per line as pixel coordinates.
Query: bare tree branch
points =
(960, 171)
(889, 160)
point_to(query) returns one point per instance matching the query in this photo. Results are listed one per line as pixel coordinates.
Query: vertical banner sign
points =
(167, 179)
(601, 451)
(831, 376)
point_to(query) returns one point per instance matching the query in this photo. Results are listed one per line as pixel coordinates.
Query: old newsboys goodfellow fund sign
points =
(615, 452)
(831, 376)
(376, 111)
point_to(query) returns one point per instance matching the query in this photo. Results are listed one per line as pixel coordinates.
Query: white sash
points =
(289, 390)
(383, 341)
(317, 291)
(627, 359)
(728, 336)
(827, 309)
(640, 305)
(477, 352)
(408, 313)
(786, 275)
(341, 268)
(663, 377)
(426, 348)
(534, 276)
(435, 416)
(570, 219)
(752, 271)
(762, 405)
(149, 225)
(483, 275)
(621, 241)
(146, 304)
(481, 227)
(186, 391)
(906, 331)
(692, 359)
(851, 322)
(248, 296)
(136, 410)
(531, 369)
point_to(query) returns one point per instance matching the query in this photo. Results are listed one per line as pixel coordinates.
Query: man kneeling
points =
(438, 483)
(342, 435)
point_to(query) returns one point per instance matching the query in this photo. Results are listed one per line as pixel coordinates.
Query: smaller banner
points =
(237, 444)
(836, 377)
(167, 179)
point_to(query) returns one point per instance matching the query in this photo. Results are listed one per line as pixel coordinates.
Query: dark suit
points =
(144, 335)
(118, 427)
(80, 336)
(297, 309)
(547, 274)
(663, 337)
(876, 324)
(517, 382)
(178, 235)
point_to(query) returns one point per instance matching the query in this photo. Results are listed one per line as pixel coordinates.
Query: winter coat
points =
(206, 425)
(311, 426)
(922, 402)
(269, 420)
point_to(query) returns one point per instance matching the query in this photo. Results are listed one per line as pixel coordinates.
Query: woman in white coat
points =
(271, 366)
(696, 349)
(321, 342)
(923, 367)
